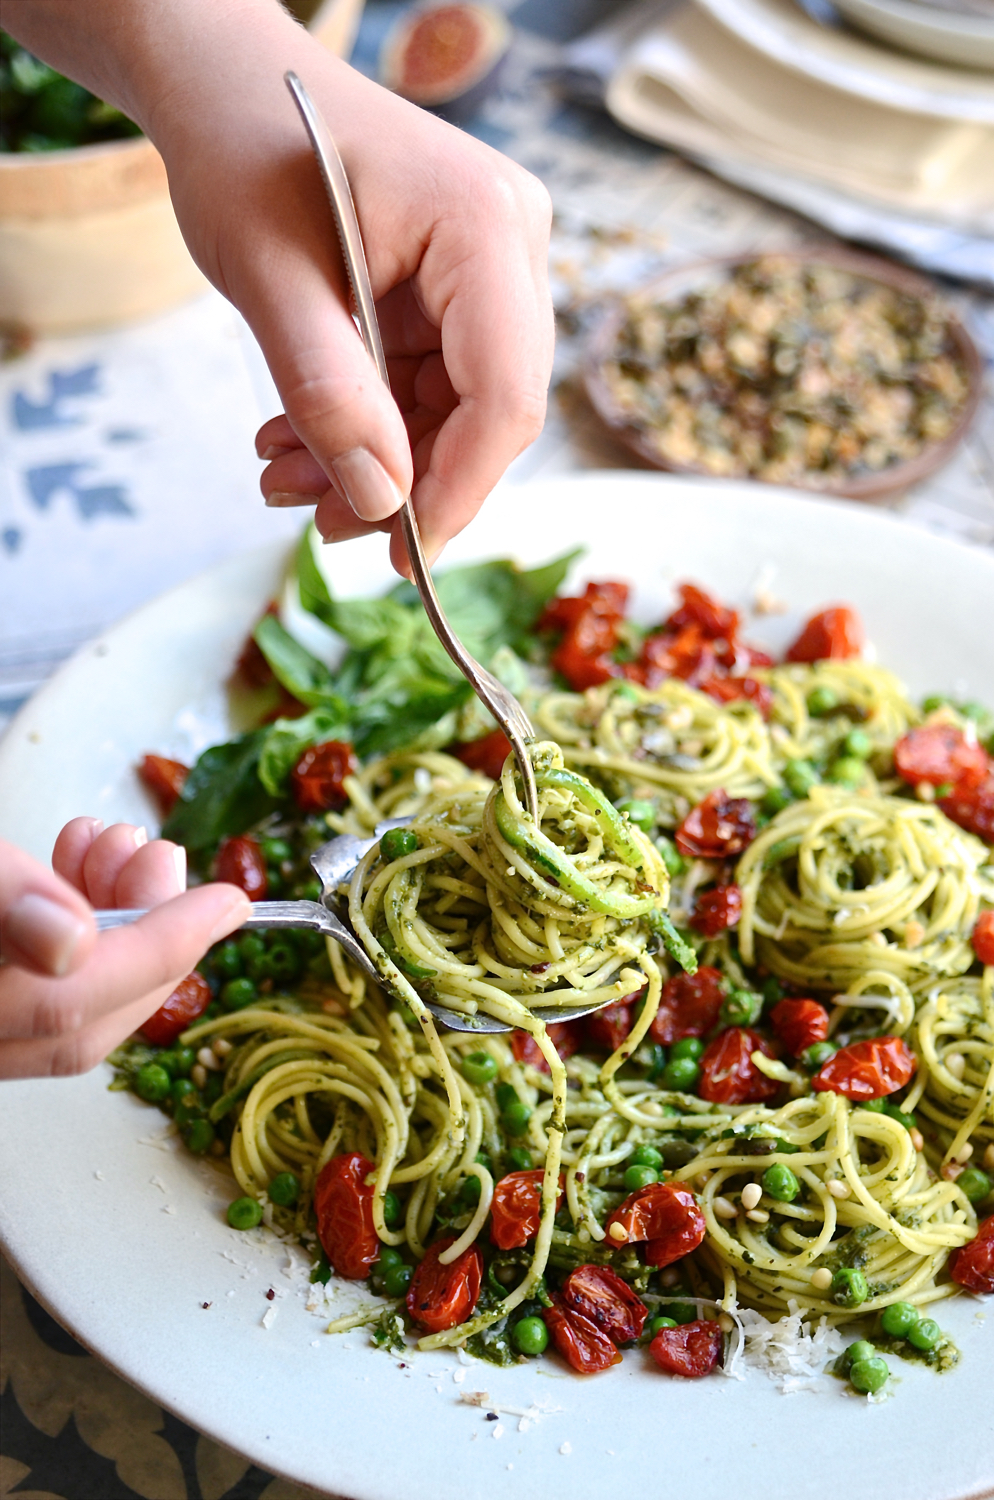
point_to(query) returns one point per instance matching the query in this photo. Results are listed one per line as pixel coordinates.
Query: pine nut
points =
(758, 1216)
(751, 1194)
(618, 1233)
(989, 1158)
(917, 1139)
(955, 1064)
(199, 1075)
(964, 1153)
(220, 1046)
(724, 1208)
(838, 1188)
(726, 1323)
(821, 1279)
(670, 1276)
(207, 1059)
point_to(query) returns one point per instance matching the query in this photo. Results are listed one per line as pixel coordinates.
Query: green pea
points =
(516, 1117)
(773, 991)
(310, 891)
(397, 842)
(284, 1188)
(469, 1192)
(896, 1113)
(681, 1312)
(875, 1106)
(655, 1324)
(530, 1336)
(275, 851)
(183, 1060)
(282, 961)
(238, 993)
(520, 1159)
(505, 1094)
(800, 776)
(780, 1182)
(152, 1083)
(642, 814)
(182, 1089)
(869, 1375)
(244, 1213)
(397, 1280)
(848, 770)
(688, 1046)
(479, 1067)
(199, 1136)
(646, 1156)
(849, 1287)
(899, 1319)
(680, 1074)
(935, 701)
(226, 961)
(389, 1256)
(925, 1334)
(775, 800)
(821, 701)
(857, 742)
(392, 1211)
(251, 947)
(639, 1177)
(671, 856)
(861, 1349)
(975, 1183)
(657, 1055)
(741, 1008)
(187, 1110)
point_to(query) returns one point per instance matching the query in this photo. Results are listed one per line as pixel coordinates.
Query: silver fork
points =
(333, 864)
(493, 694)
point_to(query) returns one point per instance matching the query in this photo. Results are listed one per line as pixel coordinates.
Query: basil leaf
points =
(221, 796)
(285, 741)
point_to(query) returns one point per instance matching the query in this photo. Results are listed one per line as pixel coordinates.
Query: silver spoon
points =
(492, 694)
(333, 864)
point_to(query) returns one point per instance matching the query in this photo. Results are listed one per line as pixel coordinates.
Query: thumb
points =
(334, 399)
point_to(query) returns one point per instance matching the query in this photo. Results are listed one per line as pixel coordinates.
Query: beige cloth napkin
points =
(691, 84)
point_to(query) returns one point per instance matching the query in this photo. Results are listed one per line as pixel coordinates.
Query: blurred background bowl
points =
(945, 35)
(88, 237)
(675, 284)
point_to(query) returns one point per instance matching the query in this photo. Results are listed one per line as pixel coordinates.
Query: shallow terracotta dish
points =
(671, 287)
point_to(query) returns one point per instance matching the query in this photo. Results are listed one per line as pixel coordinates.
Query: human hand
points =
(68, 996)
(456, 237)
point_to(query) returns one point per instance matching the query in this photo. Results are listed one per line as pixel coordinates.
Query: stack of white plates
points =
(962, 32)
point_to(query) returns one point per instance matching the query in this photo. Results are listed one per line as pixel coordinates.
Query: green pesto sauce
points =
(945, 1356)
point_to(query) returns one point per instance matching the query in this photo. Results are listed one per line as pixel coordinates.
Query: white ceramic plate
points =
(943, 35)
(780, 29)
(125, 1241)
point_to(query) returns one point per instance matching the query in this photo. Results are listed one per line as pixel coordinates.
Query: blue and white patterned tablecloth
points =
(127, 464)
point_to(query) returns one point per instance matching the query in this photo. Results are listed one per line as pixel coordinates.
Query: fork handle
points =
(264, 914)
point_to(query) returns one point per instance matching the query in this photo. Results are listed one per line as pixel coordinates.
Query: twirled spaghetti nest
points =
(953, 1035)
(870, 895)
(892, 1218)
(858, 692)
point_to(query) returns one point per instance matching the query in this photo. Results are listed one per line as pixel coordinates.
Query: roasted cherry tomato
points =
(972, 1265)
(731, 689)
(835, 634)
(240, 861)
(565, 1036)
(983, 937)
(608, 1027)
(939, 754)
(487, 754)
(164, 779)
(440, 1296)
(717, 827)
(700, 609)
(688, 1006)
(666, 1215)
(866, 1070)
(728, 1073)
(688, 654)
(590, 633)
(516, 1209)
(252, 667)
(689, 1349)
(343, 1207)
(188, 1000)
(717, 909)
(971, 805)
(600, 1295)
(580, 1342)
(799, 1024)
(317, 780)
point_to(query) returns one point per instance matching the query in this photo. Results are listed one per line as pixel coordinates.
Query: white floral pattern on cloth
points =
(73, 1430)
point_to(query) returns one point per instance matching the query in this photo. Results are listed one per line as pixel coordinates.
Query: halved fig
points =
(447, 58)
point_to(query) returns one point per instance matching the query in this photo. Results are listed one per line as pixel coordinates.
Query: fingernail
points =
(96, 827)
(281, 499)
(179, 855)
(47, 932)
(274, 451)
(368, 487)
(140, 836)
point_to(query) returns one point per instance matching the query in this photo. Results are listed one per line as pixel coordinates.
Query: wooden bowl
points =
(675, 284)
(88, 237)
